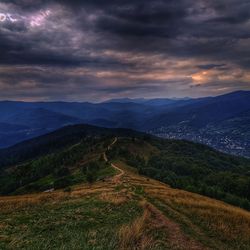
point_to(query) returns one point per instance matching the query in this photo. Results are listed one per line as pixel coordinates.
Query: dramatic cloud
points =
(95, 50)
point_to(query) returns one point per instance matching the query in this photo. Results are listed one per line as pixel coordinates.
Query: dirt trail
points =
(156, 220)
(178, 240)
(115, 140)
(105, 157)
(117, 178)
(109, 147)
(176, 237)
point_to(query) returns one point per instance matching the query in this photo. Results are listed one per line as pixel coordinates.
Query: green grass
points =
(81, 224)
(139, 190)
(126, 211)
(125, 166)
(106, 172)
(39, 185)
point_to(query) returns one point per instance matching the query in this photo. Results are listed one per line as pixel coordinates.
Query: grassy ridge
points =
(129, 212)
(108, 204)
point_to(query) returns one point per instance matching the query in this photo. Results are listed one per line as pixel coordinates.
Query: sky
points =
(94, 50)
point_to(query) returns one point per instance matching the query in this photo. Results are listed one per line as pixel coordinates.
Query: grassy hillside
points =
(92, 189)
(62, 159)
(126, 211)
(193, 167)
(72, 165)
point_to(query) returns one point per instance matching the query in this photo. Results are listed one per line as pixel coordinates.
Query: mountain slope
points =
(210, 121)
(31, 122)
(126, 211)
(56, 141)
(42, 118)
(194, 167)
(205, 111)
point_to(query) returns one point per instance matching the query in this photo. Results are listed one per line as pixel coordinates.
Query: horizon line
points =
(124, 98)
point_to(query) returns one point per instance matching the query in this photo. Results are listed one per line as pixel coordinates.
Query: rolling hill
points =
(86, 187)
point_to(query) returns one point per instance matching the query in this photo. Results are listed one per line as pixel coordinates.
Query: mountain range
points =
(221, 122)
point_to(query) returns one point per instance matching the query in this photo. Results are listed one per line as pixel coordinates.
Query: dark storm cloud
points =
(125, 47)
(212, 66)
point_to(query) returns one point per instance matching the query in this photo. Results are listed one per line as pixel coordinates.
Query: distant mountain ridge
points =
(221, 122)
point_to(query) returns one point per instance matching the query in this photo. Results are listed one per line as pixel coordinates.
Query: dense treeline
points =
(195, 168)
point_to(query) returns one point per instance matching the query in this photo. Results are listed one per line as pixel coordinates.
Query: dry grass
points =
(225, 222)
(116, 198)
(141, 234)
(216, 224)
(134, 236)
(15, 203)
(176, 238)
(11, 203)
(231, 223)
(204, 216)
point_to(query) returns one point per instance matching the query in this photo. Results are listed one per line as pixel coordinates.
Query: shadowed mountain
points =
(221, 122)
(204, 111)
(31, 122)
(198, 120)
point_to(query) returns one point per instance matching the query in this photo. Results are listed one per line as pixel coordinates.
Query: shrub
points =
(67, 189)
(62, 172)
(62, 182)
(90, 177)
